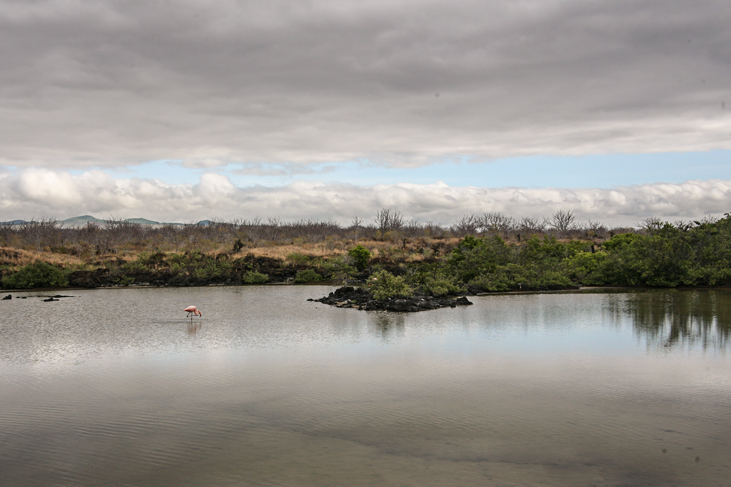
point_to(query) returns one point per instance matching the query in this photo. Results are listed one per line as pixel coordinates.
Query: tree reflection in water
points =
(388, 324)
(673, 318)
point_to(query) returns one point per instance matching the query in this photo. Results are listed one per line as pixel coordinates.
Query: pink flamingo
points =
(192, 311)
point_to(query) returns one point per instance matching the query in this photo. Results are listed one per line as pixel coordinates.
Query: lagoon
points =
(117, 387)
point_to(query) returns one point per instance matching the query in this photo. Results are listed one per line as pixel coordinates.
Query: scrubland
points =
(478, 253)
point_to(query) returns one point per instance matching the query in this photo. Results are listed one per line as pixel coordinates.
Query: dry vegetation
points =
(388, 236)
(526, 254)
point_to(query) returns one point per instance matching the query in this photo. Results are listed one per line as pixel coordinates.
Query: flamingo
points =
(192, 311)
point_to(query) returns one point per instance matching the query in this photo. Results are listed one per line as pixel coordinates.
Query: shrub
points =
(337, 268)
(360, 256)
(474, 257)
(39, 274)
(307, 275)
(525, 277)
(253, 277)
(441, 285)
(620, 240)
(299, 259)
(434, 280)
(586, 268)
(125, 281)
(383, 285)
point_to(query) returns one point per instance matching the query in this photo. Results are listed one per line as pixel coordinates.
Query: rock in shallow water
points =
(350, 297)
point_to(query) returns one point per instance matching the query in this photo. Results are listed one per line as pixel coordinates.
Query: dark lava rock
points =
(49, 300)
(350, 297)
(9, 296)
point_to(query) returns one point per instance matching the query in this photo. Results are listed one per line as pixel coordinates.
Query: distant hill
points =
(79, 221)
(142, 221)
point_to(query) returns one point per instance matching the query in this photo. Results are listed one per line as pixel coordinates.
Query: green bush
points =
(383, 285)
(434, 280)
(504, 278)
(360, 256)
(521, 277)
(125, 281)
(337, 268)
(620, 240)
(307, 275)
(440, 286)
(476, 256)
(39, 274)
(588, 268)
(253, 277)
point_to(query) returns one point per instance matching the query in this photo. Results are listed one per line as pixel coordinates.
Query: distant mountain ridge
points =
(80, 221)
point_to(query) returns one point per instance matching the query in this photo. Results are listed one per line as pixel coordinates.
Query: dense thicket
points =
(39, 274)
(664, 255)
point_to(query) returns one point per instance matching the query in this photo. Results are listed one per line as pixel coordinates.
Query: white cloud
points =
(105, 83)
(37, 193)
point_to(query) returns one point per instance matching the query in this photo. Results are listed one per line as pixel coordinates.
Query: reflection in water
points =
(388, 324)
(673, 318)
(543, 389)
(194, 327)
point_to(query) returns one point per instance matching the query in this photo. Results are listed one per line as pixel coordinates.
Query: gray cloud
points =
(37, 193)
(112, 83)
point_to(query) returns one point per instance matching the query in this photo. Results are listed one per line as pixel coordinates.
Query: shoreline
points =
(580, 290)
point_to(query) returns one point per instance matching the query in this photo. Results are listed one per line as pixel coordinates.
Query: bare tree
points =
(531, 225)
(39, 233)
(497, 223)
(562, 221)
(651, 224)
(467, 225)
(413, 228)
(387, 219)
(595, 229)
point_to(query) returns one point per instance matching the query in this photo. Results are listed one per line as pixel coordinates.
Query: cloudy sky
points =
(618, 110)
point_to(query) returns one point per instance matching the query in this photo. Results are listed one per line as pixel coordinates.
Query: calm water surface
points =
(117, 387)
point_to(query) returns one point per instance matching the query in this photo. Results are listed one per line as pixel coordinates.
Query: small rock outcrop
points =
(350, 297)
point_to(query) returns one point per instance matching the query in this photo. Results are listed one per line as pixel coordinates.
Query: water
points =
(117, 387)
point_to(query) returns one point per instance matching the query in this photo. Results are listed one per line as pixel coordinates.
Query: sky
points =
(616, 110)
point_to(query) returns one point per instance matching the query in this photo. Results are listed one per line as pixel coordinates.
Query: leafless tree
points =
(651, 224)
(595, 229)
(467, 225)
(497, 223)
(531, 225)
(39, 233)
(387, 219)
(562, 222)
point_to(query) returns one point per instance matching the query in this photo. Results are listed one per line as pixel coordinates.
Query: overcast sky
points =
(183, 110)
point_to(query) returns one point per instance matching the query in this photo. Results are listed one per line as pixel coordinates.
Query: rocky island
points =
(358, 298)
